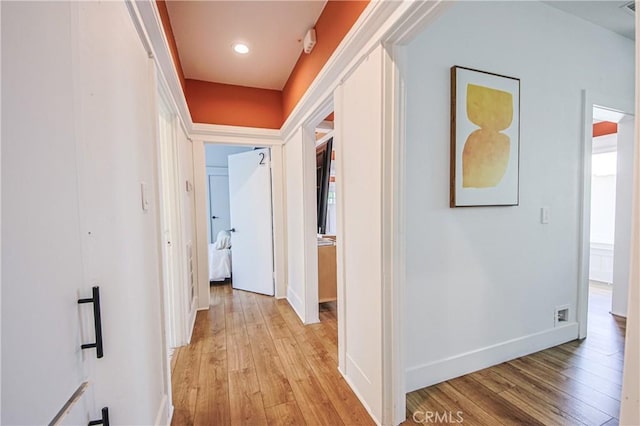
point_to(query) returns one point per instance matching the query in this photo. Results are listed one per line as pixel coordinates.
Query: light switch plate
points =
(144, 193)
(545, 213)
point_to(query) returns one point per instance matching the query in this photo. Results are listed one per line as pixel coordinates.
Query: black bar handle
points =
(104, 420)
(97, 322)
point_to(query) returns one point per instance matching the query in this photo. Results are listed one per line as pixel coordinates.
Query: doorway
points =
(606, 239)
(240, 212)
(326, 216)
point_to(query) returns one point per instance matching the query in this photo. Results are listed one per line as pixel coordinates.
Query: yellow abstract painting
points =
(486, 152)
(485, 139)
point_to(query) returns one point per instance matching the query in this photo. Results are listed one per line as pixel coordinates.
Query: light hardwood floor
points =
(252, 362)
(572, 384)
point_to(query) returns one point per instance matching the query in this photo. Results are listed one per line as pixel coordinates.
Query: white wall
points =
(624, 194)
(603, 212)
(603, 209)
(217, 155)
(482, 283)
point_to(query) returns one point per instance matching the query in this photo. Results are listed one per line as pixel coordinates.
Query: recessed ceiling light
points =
(241, 48)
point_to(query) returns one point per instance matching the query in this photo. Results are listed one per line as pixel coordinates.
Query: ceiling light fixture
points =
(241, 48)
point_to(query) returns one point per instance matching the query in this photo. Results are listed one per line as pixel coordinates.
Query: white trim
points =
(192, 324)
(295, 301)
(340, 234)
(431, 373)
(149, 18)
(236, 135)
(309, 223)
(217, 171)
(164, 414)
(200, 189)
(393, 231)
(324, 138)
(414, 19)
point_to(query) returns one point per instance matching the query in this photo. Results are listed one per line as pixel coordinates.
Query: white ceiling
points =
(608, 14)
(205, 32)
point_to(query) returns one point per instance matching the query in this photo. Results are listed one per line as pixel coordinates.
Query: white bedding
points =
(219, 263)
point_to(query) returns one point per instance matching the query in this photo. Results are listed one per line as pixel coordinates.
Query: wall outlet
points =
(561, 315)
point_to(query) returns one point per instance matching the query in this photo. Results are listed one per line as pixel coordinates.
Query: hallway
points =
(252, 362)
(575, 383)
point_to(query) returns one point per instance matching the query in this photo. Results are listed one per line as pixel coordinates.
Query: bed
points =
(220, 257)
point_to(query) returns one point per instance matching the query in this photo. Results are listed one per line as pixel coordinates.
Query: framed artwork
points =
(485, 138)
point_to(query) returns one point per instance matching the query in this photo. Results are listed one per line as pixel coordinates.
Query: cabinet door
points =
(41, 244)
(117, 157)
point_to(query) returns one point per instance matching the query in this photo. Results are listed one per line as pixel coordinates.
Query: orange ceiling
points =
(216, 103)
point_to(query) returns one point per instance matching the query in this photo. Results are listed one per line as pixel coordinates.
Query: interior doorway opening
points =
(326, 220)
(240, 211)
(610, 183)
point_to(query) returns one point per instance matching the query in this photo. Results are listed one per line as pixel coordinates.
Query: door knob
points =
(214, 217)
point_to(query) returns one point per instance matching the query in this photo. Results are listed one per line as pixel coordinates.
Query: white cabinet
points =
(78, 139)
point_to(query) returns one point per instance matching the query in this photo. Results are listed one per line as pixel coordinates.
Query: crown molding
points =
(216, 133)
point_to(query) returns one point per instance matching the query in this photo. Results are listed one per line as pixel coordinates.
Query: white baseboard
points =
(359, 396)
(163, 417)
(424, 375)
(193, 324)
(296, 303)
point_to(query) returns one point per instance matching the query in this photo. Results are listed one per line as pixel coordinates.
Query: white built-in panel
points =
(359, 148)
(41, 247)
(117, 152)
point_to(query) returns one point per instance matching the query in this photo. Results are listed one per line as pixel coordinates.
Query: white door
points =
(251, 221)
(119, 218)
(42, 363)
(218, 204)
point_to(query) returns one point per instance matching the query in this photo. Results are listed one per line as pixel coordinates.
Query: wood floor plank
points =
(346, 404)
(212, 403)
(588, 359)
(455, 402)
(554, 406)
(306, 387)
(274, 384)
(328, 338)
(571, 378)
(420, 404)
(482, 396)
(184, 383)
(566, 363)
(245, 400)
(286, 414)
